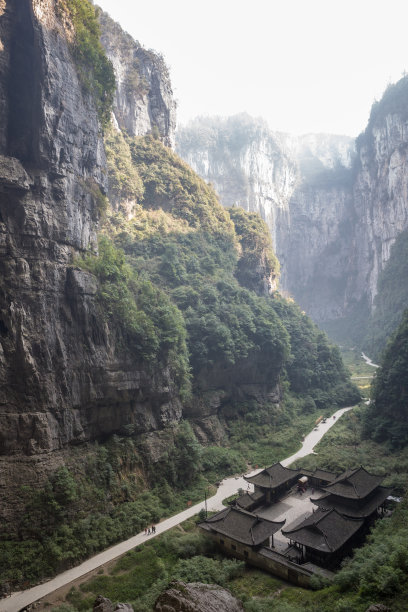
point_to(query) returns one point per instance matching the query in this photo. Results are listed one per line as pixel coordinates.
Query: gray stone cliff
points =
(144, 97)
(65, 376)
(334, 213)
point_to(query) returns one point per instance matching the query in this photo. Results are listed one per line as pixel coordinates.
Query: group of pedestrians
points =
(150, 530)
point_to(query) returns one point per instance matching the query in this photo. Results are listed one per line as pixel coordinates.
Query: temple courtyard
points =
(294, 507)
(297, 523)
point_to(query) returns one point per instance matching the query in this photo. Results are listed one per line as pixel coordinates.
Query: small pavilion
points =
(273, 482)
(240, 531)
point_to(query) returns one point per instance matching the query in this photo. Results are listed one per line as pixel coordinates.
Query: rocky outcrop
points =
(144, 98)
(197, 597)
(103, 604)
(246, 163)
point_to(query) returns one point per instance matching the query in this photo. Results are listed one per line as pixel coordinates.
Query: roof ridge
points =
(323, 533)
(323, 515)
(242, 510)
(353, 485)
(370, 474)
(226, 514)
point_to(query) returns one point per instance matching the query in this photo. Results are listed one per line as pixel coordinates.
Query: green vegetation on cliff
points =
(387, 416)
(124, 180)
(152, 325)
(391, 299)
(181, 240)
(94, 69)
(257, 257)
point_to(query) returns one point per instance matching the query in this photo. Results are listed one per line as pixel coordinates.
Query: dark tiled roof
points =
(354, 508)
(325, 531)
(273, 476)
(242, 526)
(354, 484)
(245, 501)
(324, 475)
(321, 474)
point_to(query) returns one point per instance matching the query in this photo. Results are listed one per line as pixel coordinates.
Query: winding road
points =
(368, 361)
(228, 487)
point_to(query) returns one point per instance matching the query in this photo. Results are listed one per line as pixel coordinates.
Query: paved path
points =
(228, 487)
(369, 362)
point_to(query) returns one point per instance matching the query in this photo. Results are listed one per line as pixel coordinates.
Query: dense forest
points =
(386, 419)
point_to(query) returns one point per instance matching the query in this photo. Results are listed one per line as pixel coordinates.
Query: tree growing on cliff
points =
(387, 416)
(95, 70)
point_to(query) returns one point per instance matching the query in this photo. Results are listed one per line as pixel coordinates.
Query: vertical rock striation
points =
(247, 164)
(380, 199)
(299, 185)
(333, 213)
(65, 376)
(144, 97)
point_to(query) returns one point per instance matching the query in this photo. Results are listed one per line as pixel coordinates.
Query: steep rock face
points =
(220, 391)
(144, 98)
(316, 249)
(301, 187)
(247, 165)
(380, 200)
(335, 216)
(64, 377)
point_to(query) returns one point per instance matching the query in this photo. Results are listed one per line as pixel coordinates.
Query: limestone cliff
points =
(69, 374)
(65, 375)
(380, 194)
(299, 185)
(144, 98)
(333, 213)
(247, 164)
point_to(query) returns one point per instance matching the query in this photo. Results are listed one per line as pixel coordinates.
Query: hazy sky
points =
(303, 65)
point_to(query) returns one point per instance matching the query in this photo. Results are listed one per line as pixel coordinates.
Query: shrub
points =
(207, 570)
(94, 69)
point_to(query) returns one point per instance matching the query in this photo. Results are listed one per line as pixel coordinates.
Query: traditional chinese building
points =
(355, 494)
(319, 478)
(250, 501)
(346, 509)
(325, 537)
(273, 482)
(239, 532)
